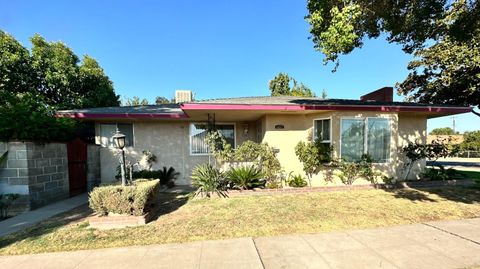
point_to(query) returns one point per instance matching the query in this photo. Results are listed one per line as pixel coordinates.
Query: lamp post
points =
(119, 140)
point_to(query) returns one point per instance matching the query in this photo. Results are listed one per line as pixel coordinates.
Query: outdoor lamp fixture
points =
(119, 140)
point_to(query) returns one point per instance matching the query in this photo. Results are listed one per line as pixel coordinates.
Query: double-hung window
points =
(198, 133)
(108, 130)
(321, 130)
(365, 136)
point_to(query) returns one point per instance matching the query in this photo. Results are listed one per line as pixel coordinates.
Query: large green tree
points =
(284, 85)
(443, 36)
(53, 72)
(443, 131)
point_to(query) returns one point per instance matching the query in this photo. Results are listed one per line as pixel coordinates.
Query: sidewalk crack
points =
(258, 253)
(454, 234)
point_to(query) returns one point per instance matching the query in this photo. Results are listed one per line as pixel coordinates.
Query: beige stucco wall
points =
(300, 128)
(170, 142)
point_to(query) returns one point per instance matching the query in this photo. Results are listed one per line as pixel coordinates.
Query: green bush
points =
(296, 181)
(165, 175)
(132, 199)
(245, 177)
(208, 180)
(351, 171)
(439, 174)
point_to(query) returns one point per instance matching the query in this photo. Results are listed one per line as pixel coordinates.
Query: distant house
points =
(175, 132)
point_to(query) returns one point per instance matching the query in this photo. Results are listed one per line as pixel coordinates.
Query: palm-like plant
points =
(208, 180)
(168, 176)
(246, 177)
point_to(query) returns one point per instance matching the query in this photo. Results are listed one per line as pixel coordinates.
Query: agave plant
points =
(296, 181)
(168, 176)
(208, 180)
(245, 177)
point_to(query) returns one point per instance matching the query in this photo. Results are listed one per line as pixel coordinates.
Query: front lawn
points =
(182, 220)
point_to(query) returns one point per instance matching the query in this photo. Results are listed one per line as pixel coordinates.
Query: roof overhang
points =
(95, 116)
(380, 108)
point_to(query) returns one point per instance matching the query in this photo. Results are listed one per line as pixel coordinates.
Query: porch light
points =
(119, 140)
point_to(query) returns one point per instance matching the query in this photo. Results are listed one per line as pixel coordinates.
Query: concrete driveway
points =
(446, 244)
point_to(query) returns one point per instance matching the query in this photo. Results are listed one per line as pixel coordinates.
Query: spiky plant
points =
(208, 180)
(168, 176)
(245, 177)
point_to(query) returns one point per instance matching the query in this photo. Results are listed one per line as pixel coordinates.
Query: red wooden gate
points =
(77, 166)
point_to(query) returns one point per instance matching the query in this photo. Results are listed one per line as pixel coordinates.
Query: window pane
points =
(378, 139)
(326, 130)
(127, 130)
(106, 133)
(352, 146)
(228, 131)
(198, 132)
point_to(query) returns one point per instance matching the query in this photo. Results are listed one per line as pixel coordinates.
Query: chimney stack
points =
(384, 94)
(183, 96)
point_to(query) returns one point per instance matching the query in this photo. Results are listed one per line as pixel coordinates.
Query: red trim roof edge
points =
(78, 115)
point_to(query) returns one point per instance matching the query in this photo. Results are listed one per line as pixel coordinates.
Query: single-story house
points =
(374, 124)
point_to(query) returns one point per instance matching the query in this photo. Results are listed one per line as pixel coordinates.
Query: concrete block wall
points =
(38, 172)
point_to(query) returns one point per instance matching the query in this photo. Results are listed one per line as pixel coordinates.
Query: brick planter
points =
(398, 185)
(121, 221)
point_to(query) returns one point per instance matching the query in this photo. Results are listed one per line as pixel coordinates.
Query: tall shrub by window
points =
(365, 136)
(199, 131)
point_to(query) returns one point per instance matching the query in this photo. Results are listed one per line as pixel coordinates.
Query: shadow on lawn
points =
(463, 194)
(167, 202)
(77, 214)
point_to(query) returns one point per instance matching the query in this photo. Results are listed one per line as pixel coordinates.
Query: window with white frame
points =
(198, 133)
(321, 130)
(365, 136)
(109, 129)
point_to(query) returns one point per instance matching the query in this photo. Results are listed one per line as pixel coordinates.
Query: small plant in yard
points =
(351, 171)
(313, 156)
(6, 200)
(439, 174)
(133, 199)
(168, 176)
(417, 151)
(296, 180)
(208, 180)
(245, 177)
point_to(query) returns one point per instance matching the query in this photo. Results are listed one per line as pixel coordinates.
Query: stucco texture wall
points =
(170, 142)
(300, 128)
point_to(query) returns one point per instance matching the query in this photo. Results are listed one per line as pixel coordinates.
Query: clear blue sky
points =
(215, 48)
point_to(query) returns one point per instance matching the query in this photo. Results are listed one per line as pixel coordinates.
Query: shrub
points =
(351, 171)
(439, 174)
(296, 181)
(132, 199)
(168, 176)
(208, 180)
(313, 156)
(245, 177)
(416, 151)
(6, 200)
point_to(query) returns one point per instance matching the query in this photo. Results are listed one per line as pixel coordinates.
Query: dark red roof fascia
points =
(385, 108)
(79, 115)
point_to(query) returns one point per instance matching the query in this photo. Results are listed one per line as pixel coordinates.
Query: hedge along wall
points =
(38, 172)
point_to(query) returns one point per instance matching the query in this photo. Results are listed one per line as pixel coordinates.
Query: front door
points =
(77, 166)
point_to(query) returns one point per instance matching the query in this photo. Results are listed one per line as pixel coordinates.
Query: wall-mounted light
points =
(279, 126)
(245, 129)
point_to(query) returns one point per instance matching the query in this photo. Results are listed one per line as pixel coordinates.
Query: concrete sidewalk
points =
(29, 218)
(446, 244)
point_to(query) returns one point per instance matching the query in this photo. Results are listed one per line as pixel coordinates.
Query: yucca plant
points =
(208, 180)
(245, 177)
(168, 176)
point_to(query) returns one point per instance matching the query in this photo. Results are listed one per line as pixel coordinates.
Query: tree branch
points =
(475, 112)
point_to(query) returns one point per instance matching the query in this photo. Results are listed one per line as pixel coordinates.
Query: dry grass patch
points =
(183, 221)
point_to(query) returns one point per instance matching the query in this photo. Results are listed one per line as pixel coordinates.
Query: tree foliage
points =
(471, 141)
(443, 131)
(53, 72)
(444, 37)
(160, 100)
(135, 101)
(281, 85)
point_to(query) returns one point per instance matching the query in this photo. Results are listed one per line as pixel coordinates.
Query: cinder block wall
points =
(38, 172)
